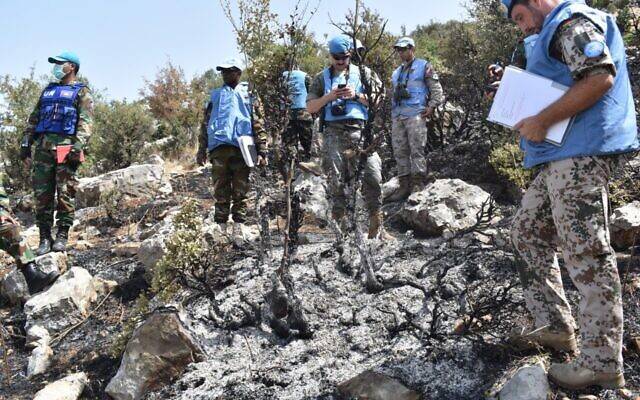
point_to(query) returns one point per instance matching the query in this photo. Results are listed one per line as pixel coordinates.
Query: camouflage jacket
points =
(257, 123)
(4, 199)
(83, 130)
(564, 47)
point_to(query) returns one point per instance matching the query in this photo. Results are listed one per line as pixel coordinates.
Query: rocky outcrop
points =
(158, 351)
(52, 262)
(313, 195)
(67, 388)
(13, 287)
(529, 383)
(39, 361)
(375, 386)
(136, 181)
(625, 226)
(445, 206)
(64, 303)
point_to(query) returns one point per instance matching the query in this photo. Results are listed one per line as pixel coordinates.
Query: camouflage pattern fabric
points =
(436, 93)
(11, 240)
(408, 138)
(51, 182)
(567, 205)
(565, 48)
(230, 177)
(299, 133)
(338, 138)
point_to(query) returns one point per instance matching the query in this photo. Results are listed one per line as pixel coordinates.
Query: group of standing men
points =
(566, 205)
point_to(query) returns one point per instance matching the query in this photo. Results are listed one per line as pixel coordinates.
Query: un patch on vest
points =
(49, 93)
(594, 49)
(66, 93)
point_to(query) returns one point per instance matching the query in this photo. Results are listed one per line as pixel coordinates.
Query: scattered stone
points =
(587, 397)
(375, 386)
(37, 336)
(158, 351)
(90, 232)
(626, 394)
(151, 251)
(625, 226)
(390, 186)
(445, 206)
(85, 215)
(635, 343)
(137, 181)
(104, 286)
(52, 262)
(67, 388)
(313, 195)
(529, 383)
(128, 249)
(82, 245)
(64, 303)
(13, 287)
(39, 361)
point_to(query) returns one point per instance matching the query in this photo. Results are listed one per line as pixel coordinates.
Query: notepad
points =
(63, 150)
(522, 94)
(248, 150)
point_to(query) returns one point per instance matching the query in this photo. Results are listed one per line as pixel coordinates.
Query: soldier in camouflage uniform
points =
(299, 132)
(416, 94)
(567, 203)
(231, 112)
(13, 243)
(62, 117)
(338, 93)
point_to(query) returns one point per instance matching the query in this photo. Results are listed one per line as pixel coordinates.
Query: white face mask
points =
(58, 71)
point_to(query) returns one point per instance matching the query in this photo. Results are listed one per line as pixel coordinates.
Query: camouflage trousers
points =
(567, 206)
(12, 242)
(51, 182)
(230, 177)
(299, 133)
(340, 170)
(409, 137)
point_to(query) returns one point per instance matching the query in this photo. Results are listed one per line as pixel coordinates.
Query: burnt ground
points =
(354, 330)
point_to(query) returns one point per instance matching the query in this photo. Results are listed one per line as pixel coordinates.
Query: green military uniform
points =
(229, 172)
(50, 179)
(10, 239)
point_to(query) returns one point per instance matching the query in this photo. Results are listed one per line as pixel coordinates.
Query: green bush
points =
(506, 160)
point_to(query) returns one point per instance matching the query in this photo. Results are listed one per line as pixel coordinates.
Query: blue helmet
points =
(340, 44)
(509, 5)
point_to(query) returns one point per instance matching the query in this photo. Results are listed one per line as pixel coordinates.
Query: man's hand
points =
(495, 72)
(346, 92)
(5, 218)
(427, 113)
(533, 129)
(263, 161)
(73, 158)
(201, 158)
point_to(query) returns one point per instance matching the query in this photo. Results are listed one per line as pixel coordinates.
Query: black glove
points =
(25, 152)
(201, 158)
(74, 158)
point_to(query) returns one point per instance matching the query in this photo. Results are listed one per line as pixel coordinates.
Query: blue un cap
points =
(340, 44)
(509, 5)
(65, 56)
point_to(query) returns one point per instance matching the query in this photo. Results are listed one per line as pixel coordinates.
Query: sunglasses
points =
(340, 57)
(401, 49)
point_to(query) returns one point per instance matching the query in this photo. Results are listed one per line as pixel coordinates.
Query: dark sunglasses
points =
(338, 57)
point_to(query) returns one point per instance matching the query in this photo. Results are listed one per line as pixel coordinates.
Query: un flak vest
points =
(354, 110)
(230, 115)
(58, 112)
(416, 86)
(609, 126)
(297, 89)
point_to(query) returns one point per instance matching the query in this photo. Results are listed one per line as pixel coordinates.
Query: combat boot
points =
(60, 244)
(403, 191)
(36, 279)
(376, 227)
(574, 377)
(559, 341)
(45, 242)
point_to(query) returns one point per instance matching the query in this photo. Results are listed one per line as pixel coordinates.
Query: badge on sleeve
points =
(593, 49)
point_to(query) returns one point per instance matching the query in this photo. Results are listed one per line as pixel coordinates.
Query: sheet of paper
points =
(63, 150)
(522, 94)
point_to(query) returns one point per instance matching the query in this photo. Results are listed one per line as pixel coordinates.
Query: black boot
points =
(45, 242)
(36, 279)
(61, 239)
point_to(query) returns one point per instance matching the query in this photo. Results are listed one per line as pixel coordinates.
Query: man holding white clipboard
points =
(566, 205)
(233, 136)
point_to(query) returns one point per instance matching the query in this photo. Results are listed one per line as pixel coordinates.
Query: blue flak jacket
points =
(230, 115)
(297, 89)
(416, 86)
(58, 112)
(609, 126)
(355, 110)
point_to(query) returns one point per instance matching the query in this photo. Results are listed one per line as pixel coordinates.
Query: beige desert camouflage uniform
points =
(339, 138)
(409, 134)
(567, 205)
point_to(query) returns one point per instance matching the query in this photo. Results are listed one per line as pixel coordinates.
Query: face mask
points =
(529, 44)
(58, 72)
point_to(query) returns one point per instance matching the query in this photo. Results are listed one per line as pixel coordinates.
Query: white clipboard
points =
(248, 150)
(522, 94)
